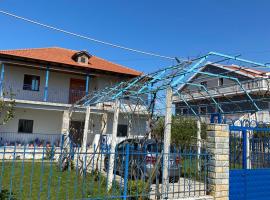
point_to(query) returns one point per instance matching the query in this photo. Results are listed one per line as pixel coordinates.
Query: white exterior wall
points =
(45, 122)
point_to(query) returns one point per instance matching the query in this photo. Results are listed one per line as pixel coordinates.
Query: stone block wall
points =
(218, 148)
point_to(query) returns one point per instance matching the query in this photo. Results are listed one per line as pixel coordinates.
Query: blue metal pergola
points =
(175, 77)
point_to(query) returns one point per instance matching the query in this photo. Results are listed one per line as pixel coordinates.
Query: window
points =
(83, 60)
(203, 110)
(122, 130)
(220, 81)
(31, 82)
(184, 111)
(25, 126)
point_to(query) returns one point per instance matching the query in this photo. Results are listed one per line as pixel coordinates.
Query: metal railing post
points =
(244, 158)
(126, 172)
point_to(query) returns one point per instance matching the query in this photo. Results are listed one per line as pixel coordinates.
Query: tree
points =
(184, 130)
(7, 108)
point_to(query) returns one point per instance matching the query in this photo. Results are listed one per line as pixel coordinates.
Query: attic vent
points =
(81, 57)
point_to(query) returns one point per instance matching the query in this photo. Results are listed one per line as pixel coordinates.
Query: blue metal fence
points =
(250, 146)
(249, 161)
(59, 173)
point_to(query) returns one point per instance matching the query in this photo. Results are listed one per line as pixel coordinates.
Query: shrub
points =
(4, 195)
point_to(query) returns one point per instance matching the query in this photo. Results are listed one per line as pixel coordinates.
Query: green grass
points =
(40, 181)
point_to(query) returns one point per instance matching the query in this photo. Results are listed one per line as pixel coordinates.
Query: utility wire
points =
(84, 37)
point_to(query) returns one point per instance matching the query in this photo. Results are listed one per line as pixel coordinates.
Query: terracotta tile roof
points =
(64, 56)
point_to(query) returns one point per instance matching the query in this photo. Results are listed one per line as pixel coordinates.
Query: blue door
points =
(249, 161)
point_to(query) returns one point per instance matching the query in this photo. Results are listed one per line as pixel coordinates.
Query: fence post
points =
(126, 172)
(218, 148)
(167, 141)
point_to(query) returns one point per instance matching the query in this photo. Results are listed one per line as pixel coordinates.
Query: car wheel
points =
(106, 164)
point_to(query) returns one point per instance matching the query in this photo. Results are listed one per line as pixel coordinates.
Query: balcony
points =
(55, 94)
(253, 86)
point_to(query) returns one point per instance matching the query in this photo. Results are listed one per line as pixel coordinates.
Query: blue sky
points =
(172, 28)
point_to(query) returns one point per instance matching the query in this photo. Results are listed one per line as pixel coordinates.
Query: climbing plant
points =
(7, 107)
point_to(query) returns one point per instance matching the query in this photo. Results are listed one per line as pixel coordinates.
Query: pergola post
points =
(65, 128)
(167, 142)
(86, 129)
(113, 144)
(85, 135)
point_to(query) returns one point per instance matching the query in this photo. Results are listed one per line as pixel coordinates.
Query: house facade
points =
(45, 82)
(236, 92)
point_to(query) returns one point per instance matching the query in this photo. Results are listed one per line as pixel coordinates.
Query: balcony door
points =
(76, 90)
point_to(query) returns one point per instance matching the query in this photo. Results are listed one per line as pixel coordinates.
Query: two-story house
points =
(47, 81)
(237, 92)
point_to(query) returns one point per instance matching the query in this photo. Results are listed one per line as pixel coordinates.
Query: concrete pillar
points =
(86, 129)
(65, 126)
(167, 142)
(113, 143)
(218, 148)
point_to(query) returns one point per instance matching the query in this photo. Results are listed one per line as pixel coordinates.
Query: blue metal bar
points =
(244, 158)
(46, 84)
(202, 86)
(42, 173)
(2, 168)
(87, 85)
(238, 59)
(2, 80)
(22, 172)
(190, 70)
(12, 173)
(127, 87)
(32, 172)
(232, 78)
(126, 172)
(193, 111)
(156, 77)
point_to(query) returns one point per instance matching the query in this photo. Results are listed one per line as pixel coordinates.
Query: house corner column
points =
(218, 148)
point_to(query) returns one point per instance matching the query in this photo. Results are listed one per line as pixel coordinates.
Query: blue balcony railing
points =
(55, 94)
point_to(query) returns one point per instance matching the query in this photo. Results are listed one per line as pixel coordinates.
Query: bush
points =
(184, 130)
(4, 195)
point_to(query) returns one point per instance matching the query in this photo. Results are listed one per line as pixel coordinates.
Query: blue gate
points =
(249, 160)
